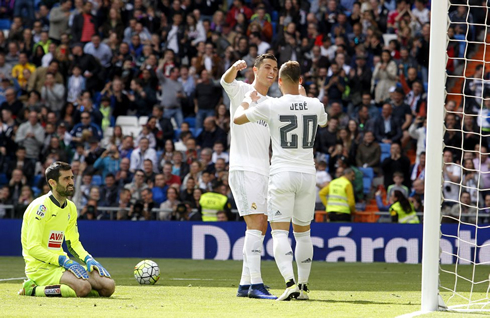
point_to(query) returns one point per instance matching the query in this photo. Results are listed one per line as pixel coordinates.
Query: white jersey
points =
(249, 147)
(293, 121)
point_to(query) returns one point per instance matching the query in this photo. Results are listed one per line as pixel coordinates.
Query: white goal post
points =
(433, 177)
(465, 293)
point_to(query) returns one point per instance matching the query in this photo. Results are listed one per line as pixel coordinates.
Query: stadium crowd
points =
(128, 92)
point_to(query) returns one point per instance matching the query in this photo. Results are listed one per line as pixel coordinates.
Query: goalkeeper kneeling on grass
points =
(48, 221)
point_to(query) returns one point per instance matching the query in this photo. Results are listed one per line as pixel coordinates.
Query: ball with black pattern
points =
(147, 272)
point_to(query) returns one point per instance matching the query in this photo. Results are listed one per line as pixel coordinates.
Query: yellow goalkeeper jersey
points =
(45, 225)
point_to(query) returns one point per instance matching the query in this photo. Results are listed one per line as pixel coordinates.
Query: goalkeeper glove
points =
(73, 267)
(93, 264)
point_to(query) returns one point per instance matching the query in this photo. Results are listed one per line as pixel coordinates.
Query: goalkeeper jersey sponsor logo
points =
(55, 240)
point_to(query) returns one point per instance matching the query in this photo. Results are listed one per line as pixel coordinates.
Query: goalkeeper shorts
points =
(47, 274)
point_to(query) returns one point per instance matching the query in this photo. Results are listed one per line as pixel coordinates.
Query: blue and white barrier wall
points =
(333, 242)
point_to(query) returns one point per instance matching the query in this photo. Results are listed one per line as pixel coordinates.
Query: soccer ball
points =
(147, 272)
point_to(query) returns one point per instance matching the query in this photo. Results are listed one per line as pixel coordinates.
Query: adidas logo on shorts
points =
(278, 213)
(308, 260)
(290, 253)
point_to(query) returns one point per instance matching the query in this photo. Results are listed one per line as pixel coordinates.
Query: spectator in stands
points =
(16, 183)
(470, 180)
(417, 171)
(53, 94)
(108, 162)
(465, 211)
(219, 153)
(237, 8)
(58, 20)
(137, 185)
(141, 153)
(360, 81)
(76, 84)
(149, 172)
(452, 177)
(173, 91)
(210, 134)
(167, 207)
(397, 185)
(401, 112)
(452, 136)
(163, 124)
(148, 134)
(170, 179)
(418, 132)
(327, 137)
(159, 189)
(384, 77)
(20, 162)
(18, 70)
(90, 66)
(322, 180)
(396, 162)
(109, 192)
(368, 153)
(124, 175)
(124, 204)
(36, 81)
(5, 68)
(126, 147)
(179, 167)
(335, 84)
(84, 24)
(207, 97)
(31, 135)
(86, 125)
(12, 103)
(5, 200)
(386, 128)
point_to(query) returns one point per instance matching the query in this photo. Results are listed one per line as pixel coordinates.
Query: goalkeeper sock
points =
(54, 291)
(283, 254)
(303, 254)
(245, 279)
(253, 252)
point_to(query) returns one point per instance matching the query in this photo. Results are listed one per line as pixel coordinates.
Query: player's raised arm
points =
(231, 73)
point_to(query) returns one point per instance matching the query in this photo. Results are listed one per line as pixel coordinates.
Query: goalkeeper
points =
(48, 221)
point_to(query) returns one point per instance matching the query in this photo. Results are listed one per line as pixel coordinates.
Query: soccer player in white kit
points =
(249, 170)
(293, 120)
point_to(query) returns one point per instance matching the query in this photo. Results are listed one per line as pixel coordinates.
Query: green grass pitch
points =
(189, 288)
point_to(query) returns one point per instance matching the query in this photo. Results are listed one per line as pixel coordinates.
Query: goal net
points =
(456, 253)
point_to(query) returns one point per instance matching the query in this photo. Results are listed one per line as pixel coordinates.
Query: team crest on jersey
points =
(55, 240)
(254, 206)
(41, 211)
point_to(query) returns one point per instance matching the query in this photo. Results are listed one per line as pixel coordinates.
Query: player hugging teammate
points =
(292, 121)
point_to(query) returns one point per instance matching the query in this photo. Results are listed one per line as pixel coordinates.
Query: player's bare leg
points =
(81, 286)
(303, 254)
(104, 286)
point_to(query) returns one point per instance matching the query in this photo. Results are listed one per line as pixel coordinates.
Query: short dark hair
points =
(259, 59)
(53, 171)
(291, 70)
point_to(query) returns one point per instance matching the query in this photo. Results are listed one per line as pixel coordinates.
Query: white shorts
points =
(292, 197)
(249, 191)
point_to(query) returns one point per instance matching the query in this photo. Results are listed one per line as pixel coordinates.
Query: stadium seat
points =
(176, 134)
(275, 16)
(143, 120)
(5, 24)
(108, 131)
(129, 121)
(191, 121)
(387, 37)
(96, 180)
(36, 180)
(274, 29)
(131, 131)
(36, 191)
(367, 179)
(3, 179)
(197, 132)
(385, 151)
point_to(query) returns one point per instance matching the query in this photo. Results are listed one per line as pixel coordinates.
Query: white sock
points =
(253, 252)
(283, 254)
(245, 279)
(303, 254)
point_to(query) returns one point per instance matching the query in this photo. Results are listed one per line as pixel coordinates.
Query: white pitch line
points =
(414, 314)
(191, 279)
(8, 279)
